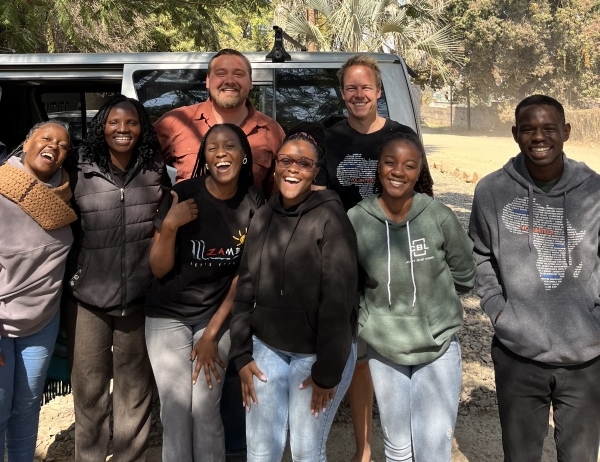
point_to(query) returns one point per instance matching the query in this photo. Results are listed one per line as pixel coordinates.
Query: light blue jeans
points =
(282, 405)
(418, 404)
(192, 426)
(22, 382)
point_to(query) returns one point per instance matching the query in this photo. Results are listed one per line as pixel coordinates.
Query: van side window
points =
(3, 148)
(312, 95)
(301, 95)
(162, 90)
(75, 109)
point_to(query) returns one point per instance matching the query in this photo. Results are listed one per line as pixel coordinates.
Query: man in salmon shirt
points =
(229, 80)
(180, 132)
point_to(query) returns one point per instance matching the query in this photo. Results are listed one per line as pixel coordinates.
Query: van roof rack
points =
(278, 53)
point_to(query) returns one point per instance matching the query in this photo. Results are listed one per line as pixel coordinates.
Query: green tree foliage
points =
(112, 25)
(514, 48)
(415, 29)
(247, 30)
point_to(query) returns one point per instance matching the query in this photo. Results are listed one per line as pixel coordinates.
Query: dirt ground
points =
(483, 153)
(477, 436)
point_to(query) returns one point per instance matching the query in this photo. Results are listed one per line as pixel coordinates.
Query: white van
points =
(71, 87)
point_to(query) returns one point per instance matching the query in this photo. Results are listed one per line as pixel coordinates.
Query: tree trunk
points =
(468, 107)
(311, 16)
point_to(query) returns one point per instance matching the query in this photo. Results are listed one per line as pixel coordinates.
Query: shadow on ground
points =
(64, 442)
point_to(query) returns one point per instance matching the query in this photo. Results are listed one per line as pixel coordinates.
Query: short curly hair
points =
(95, 149)
(540, 100)
(424, 183)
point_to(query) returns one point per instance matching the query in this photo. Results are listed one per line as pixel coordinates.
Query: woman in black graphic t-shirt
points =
(200, 232)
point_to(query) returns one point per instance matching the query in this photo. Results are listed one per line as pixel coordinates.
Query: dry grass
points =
(585, 125)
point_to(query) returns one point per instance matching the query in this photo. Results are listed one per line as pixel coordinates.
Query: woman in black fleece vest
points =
(119, 184)
(293, 314)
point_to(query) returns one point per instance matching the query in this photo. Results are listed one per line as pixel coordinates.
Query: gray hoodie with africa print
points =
(537, 261)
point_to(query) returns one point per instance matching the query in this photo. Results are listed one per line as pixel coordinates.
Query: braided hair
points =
(246, 178)
(95, 149)
(70, 160)
(313, 134)
(424, 183)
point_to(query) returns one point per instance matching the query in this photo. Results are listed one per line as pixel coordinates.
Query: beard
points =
(227, 101)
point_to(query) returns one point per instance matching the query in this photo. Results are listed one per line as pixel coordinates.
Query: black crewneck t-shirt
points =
(207, 254)
(350, 165)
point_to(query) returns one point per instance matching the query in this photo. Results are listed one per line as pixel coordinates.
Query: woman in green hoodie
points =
(416, 259)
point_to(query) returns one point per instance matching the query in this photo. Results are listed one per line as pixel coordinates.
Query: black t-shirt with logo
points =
(350, 165)
(207, 254)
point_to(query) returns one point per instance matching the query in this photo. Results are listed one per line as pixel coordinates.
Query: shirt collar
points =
(252, 120)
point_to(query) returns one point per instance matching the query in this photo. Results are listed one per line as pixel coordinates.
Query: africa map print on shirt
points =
(358, 171)
(548, 237)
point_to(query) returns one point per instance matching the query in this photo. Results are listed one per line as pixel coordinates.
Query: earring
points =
(206, 166)
(245, 161)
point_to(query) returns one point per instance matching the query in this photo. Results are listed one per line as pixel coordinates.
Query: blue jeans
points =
(281, 404)
(192, 427)
(22, 382)
(419, 404)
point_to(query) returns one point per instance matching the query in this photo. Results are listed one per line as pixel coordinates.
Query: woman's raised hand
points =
(181, 213)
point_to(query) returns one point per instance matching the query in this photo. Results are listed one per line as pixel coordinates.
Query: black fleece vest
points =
(116, 232)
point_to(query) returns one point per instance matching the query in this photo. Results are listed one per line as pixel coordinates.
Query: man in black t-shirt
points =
(349, 168)
(353, 144)
(350, 165)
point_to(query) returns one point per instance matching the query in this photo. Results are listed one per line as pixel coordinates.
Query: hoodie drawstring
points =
(566, 230)
(262, 248)
(387, 229)
(285, 251)
(530, 216)
(412, 273)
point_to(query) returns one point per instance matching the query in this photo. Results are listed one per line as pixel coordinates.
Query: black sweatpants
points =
(527, 388)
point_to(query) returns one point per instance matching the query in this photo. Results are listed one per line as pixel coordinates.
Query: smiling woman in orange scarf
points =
(34, 243)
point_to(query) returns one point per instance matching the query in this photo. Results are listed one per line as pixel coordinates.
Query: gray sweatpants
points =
(192, 426)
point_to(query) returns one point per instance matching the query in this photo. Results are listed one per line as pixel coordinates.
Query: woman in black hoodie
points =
(293, 314)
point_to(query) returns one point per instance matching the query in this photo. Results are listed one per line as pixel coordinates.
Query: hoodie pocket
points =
(285, 329)
(392, 335)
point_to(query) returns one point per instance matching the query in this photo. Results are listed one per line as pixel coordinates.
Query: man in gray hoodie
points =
(535, 224)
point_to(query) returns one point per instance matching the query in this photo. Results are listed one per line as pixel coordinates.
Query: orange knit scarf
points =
(49, 207)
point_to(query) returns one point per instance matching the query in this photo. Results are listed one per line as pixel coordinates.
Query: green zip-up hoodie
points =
(409, 307)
